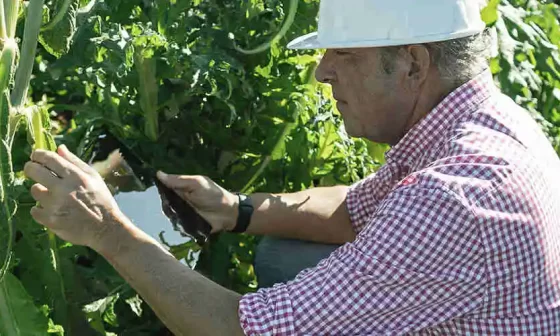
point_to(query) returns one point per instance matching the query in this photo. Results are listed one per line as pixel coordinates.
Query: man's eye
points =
(341, 52)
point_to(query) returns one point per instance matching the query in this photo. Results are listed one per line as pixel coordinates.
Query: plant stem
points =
(37, 123)
(28, 50)
(6, 66)
(11, 12)
(148, 92)
(3, 35)
(287, 130)
(285, 27)
(249, 185)
(6, 171)
(56, 261)
(7, 216)
(41, 142)
(58, 17)
(7, 315)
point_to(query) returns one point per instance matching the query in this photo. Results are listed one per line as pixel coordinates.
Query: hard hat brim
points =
(311, 41)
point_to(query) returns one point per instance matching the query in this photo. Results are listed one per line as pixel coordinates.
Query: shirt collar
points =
(426, 133)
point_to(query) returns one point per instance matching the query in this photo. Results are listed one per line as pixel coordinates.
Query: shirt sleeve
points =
(418, 264)
(363, 196)
(361, 202)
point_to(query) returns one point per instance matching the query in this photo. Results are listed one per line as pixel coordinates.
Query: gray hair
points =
(457, 60)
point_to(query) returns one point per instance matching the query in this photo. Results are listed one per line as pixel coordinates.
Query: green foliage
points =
(527, 67)
(18, 314)
(169, 79)
(197, 87)
(60, 26)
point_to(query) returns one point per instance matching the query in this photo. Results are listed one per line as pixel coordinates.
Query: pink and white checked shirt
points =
(458, 234)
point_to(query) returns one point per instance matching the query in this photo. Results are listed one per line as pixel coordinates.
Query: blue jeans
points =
(280, 260)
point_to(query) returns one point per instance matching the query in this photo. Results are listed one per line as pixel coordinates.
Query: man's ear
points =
(419, 59)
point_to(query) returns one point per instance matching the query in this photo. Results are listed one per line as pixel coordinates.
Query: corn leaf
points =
(18, 315)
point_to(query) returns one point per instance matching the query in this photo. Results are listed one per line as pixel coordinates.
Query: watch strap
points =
(245, 210)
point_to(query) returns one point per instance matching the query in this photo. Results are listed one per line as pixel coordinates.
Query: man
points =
(457, 234)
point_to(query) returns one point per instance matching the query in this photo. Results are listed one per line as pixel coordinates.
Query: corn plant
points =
(18, 312)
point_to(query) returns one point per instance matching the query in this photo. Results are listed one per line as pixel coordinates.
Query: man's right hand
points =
(317, 214)
(215, 204)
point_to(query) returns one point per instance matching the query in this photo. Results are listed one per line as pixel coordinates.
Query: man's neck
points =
(431, 94)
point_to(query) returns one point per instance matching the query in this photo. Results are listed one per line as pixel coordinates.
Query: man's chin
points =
(353, 132)
(358, 132)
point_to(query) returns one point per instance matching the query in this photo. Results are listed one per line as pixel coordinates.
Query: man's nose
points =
(324, 72)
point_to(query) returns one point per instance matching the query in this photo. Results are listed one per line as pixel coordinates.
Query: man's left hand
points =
(74, 201)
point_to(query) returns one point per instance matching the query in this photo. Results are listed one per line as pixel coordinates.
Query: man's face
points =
(374, 105)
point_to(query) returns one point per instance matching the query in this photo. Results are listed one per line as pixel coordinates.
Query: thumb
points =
(180, 182)
(70, 157)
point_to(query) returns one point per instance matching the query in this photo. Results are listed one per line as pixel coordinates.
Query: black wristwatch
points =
(245, 212)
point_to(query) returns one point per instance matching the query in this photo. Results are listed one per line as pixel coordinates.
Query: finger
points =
(40, 193)
(41, 174)
(53, 162)
(40, 215)
(76, 161)
(181, 182)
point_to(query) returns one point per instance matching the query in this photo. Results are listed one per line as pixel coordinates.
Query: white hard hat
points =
(380, 23)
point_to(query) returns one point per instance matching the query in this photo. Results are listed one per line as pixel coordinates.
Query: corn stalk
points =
(7, 59)
(10, 116)
(11, 12)
(6, 171)
(12, 112)
(33, 21)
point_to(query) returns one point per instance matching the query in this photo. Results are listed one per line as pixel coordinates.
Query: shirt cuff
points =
(267, 312)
